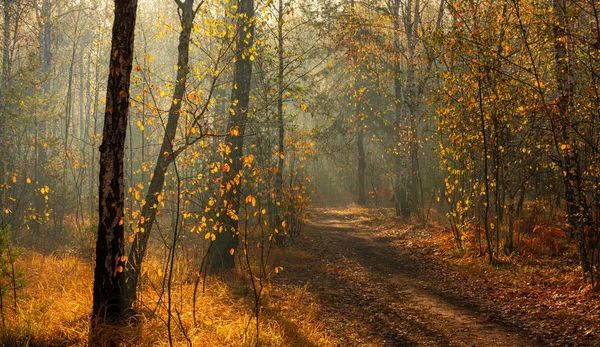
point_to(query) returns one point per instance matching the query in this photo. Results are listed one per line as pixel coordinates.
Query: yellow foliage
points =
(55, 307)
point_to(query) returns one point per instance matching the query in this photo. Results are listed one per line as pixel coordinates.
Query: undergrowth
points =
(54, 308)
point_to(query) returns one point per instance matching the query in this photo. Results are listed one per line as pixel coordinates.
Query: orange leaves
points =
(193, 97)
(250, 200)
(542, 240)
(248, 160)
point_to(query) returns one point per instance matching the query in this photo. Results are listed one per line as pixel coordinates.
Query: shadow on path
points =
(376, 294)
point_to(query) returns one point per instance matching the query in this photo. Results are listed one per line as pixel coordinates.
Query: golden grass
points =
(54, 307)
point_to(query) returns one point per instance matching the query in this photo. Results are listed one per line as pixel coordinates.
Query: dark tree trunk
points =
(362, 165)
(400, 158)
(166, 155)
(578, 210)
(278, 207)
(222, 249)
(45, 43)
(486, 212)
(411, 24)
(4, 85)
(5, 72)
(109, 278)
(360, 138)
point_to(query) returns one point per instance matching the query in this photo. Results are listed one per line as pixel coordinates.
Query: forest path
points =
(373, 293)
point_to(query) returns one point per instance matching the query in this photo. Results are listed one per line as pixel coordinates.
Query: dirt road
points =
(375, 294)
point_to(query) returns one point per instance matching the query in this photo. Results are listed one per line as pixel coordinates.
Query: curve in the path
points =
(377, 294)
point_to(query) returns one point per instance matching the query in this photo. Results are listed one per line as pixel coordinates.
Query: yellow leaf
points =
(232, 251)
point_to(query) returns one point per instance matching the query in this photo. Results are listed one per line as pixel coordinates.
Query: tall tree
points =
(109, 278)
(402, 201)
(360, 139)
(280, 124)
(166, 155)
(223, 247)
(4, 83)
(563, 127)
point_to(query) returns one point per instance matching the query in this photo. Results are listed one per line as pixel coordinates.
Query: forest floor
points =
(354, 277)
(380, 287)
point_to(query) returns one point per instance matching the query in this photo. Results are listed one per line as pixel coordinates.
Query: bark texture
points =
(109, 278)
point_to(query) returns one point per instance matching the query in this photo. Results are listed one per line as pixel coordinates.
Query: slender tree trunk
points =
(360, 132)
(509, 244)
(400, 158)
(5, 71)
(222, 249)
(578, 211)
(109, 278)
(166, 155)
(362, 165)
(485, 175)
(412, 20)
(44, 40)
(4, 85)
(94, 114)
(280, 237)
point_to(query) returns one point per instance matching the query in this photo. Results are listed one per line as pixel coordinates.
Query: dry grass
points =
(55, 304)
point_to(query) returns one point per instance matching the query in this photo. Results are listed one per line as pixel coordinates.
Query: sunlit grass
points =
(54, 306)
